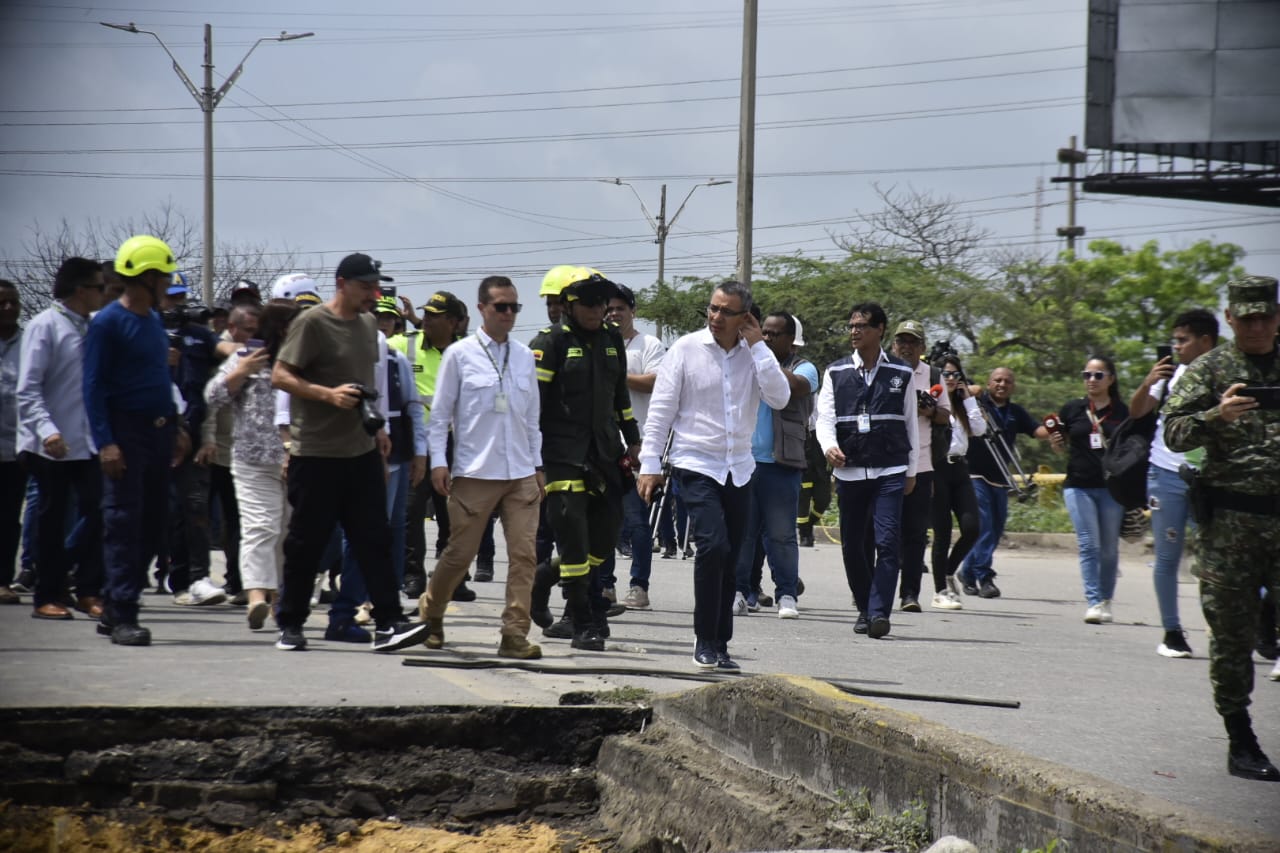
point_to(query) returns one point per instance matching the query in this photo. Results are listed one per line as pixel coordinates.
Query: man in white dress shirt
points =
(487, 392)
(708, 392)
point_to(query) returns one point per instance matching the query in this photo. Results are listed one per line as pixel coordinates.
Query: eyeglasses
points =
(721, 311)
(504, 307)
(950, 374)
(1095, 375)
(858, 327)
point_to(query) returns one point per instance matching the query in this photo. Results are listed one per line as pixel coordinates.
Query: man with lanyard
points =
(442, 316)
(1236, 499)
(54, 440)
(487, 394)
(990, 483)
(777, 445)
(1195, 332)
(13, 480)
(582, 374)
(128, 396)
(868, 429)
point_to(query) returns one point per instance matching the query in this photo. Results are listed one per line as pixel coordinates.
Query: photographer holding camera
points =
(192, 355)
(1227, 403)
(337, 450)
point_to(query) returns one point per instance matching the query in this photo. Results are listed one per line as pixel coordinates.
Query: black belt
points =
(1240, 502)
(954, 458)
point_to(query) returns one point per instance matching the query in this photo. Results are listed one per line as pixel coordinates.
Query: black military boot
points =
(804, 534)
(1244, 757)
(544, 578)
(586, 635)
(562, 628)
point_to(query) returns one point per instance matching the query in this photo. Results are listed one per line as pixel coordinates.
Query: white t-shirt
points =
(1161, 455)
(644, 354)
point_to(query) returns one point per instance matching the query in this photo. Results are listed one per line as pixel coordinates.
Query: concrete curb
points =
(820, 741)
(1045, 541)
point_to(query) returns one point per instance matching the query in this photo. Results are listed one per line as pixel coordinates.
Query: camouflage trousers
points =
(1239, 554)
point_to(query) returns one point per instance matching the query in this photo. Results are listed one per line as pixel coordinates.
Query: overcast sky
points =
(457, 139)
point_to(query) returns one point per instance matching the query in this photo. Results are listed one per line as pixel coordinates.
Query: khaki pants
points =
(471, 503)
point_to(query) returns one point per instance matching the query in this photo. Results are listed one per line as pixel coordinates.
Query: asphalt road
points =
(1093, 697)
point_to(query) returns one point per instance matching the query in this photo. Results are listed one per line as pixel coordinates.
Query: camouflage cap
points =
(1253, 294)
(912, 328)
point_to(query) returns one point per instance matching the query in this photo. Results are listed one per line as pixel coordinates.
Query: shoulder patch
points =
(537, 355)
(545, 331)
(611, 351)
(573, 352)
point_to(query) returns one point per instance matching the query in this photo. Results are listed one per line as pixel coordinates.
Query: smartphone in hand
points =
(1268, 396)
(1164, 351)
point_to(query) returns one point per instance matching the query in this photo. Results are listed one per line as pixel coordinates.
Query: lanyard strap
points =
(506, 359)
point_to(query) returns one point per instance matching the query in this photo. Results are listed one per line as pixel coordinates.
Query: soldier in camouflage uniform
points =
(1239, 489)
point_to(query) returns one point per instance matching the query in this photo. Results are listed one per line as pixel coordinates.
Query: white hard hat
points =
(799, 341)
(290, 285)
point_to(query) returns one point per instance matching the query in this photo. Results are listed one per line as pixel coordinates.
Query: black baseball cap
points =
(361, 267)
(245, 287)
(444, 302)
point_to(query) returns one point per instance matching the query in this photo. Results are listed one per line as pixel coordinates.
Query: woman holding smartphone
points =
(1087, 424)
(953, 493)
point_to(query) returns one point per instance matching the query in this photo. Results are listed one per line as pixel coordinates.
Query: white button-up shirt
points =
(709, 399)
(827, 426)
(487, 444)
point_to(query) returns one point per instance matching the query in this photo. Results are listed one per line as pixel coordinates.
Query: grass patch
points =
(1034, 518)
(906, 831)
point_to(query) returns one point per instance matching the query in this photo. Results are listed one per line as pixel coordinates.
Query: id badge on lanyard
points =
(1095, 441)
(864, 423)
(500, 403)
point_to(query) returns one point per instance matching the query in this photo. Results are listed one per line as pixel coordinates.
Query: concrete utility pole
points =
(747, 141)
(661, 226)
(207, 98)
(1072, 158)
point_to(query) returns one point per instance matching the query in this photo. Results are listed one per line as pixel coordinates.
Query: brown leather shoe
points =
(51, 611)
(89, 604)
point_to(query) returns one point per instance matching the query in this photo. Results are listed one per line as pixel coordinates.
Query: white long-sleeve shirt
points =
(709, 399)
(487, 444)
(977, 426)
(827, 427)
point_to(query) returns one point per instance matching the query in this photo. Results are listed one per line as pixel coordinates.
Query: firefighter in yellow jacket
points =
(582, 374)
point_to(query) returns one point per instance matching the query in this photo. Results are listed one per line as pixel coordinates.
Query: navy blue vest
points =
(886, 444)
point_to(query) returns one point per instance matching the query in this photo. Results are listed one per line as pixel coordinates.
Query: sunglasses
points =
(504, 307)
(714, 310)
(950, 374)
(858, 327)
(1095, 375)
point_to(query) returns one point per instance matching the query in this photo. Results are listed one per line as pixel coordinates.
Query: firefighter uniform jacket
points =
(585, 403)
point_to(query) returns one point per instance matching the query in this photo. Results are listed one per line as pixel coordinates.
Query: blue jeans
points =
(635, 521)
(993, 512)
(1097, 518)
(775, 491)
(1167, 494)
(352, 592)
(874, 505)
(30, 547)
(716, 517)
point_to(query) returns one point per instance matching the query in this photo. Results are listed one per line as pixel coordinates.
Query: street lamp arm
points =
(676, 215)
(653, 223)
(186, 81)
(239, 69)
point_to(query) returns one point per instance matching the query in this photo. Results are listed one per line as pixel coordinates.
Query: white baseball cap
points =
(290, 285)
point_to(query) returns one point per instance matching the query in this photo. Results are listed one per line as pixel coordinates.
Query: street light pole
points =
(747, 141)
(207, 98)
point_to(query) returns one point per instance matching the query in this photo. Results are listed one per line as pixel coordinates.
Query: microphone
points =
(936, 391)
(1054, 424)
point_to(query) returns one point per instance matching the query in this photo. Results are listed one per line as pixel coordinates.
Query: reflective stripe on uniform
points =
(594, 561)
(545, 375)
(574, 570)
(566, 486)
(628, 415)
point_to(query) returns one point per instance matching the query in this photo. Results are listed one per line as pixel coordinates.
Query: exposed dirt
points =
(53, 830)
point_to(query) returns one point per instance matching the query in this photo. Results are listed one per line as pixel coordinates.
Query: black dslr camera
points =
(370, 418)
(939, 353)
(177, 319)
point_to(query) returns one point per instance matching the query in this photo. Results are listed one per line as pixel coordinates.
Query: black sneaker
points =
(724, 662)
(704, 655)
(346, 632)
(910, 604)
(668, 552)
(562, 630)
(104, 626)
(415, 586)
(987, 589)
(130, 634)
(399, 636)
(615, 609)
(860, 626)
(25, 582)
(764, 600)
(1174, 645)
(463, 592)
(291, 640)
(589, 640)
(878, 628)
(484, 571)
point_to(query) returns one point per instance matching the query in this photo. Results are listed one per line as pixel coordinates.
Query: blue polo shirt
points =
(762, 437)
(126, 368)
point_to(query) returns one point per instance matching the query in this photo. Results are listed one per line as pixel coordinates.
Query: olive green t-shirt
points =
(327, 350)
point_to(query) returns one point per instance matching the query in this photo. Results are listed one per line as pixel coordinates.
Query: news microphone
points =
(936, 391)
(1054, 424)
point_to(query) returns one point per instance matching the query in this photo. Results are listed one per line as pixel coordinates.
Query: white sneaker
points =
(200, 593)
(944, 601)
(1106, 610)
(637, 599)
(1094, 615)
(1275, 672)
(364, 614)
(739, 604)
(787, 608)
